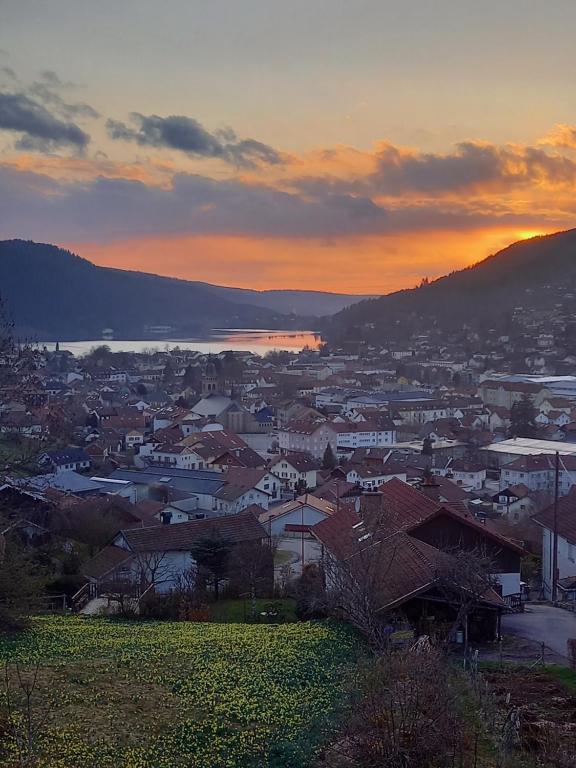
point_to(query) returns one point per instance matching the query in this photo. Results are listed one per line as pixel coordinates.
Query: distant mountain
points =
(539, 273)
(54, 294)
(303, 303)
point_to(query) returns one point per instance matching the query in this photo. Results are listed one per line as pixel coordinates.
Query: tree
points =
(522, 418)
(251, 565)
(27, 709)
(22, 581)
(328, 460)
(405, 711)
(191, 378)
(427, 446)
(168, 373)
(465, 577)
(354, 582)
(212, 554)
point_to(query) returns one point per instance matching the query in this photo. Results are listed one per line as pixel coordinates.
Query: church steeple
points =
(209, 379)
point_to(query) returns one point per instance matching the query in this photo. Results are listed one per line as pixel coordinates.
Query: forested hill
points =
(53, 294)
(539, 273)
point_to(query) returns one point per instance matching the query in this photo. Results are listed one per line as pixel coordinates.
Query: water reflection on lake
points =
(242, 339)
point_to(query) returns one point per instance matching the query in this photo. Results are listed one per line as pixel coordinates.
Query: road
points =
(542, 623)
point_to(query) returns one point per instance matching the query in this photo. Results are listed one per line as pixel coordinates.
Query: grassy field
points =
(165, 695)
(238, 611)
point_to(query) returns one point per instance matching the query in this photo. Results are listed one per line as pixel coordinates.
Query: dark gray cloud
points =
(473, 168)
(47, 93)
(41, 112)
(473, 164)
(40, 129)
(109, 209)
(186, 134)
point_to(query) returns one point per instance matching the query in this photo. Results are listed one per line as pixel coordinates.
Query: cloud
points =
(40, 129)
(47, 90)
(473, 165)
(186, 134)
(562, 136)
(108, 209)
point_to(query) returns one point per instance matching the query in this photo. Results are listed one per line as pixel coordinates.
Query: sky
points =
(342, 146)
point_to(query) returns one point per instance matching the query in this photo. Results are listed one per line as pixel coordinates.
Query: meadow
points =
(163, 695)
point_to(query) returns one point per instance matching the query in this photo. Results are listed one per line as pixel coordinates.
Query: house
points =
(290, 524)
(224, 410)
(134, 438)
(75, 459)
(468, 474)
(296, 470)
(538, 473)
(517, 502)
(369, 476)
(399, 507)
(342, 436)
(506, 393)
(244, 487)
(394, 570)
(566, 547)
(160, 555)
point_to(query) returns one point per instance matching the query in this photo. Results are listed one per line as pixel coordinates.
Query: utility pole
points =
(555, 524)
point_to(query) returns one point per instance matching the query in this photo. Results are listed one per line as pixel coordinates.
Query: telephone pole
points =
(555, 527)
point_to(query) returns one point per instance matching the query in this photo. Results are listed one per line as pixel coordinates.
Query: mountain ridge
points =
(482, 295)
(52, 293)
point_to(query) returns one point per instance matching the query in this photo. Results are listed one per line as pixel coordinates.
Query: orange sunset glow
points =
(369, 159)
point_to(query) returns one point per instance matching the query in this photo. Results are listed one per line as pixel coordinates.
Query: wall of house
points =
(510, 583)
(304, 516)
(253, 496)
(566, 560)
(445, 532)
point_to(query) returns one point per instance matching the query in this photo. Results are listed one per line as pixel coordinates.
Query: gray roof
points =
(68, 481)
(189, 481)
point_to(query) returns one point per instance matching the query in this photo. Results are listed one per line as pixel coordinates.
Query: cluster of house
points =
(178, 443)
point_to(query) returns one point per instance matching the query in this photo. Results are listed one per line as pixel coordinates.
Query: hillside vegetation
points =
(529, 273)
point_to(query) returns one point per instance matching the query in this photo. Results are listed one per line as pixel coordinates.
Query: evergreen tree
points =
(427, 446)
(328, 460)
(212, 554)
(522, 418)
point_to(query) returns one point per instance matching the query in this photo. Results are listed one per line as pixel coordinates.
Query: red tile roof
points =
(183, 536)
(566, 517)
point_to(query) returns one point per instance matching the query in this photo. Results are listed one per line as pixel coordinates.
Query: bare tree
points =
(252, 567)
(27, 710)
(354, 586)
(404, 713)
(153, 568)
(465, 579)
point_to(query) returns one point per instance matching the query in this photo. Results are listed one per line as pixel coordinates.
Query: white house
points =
(160, 555)
(343, 437)
(290, 525)
(566, 549)
(372, 477)
(296, 470)
(470, 475)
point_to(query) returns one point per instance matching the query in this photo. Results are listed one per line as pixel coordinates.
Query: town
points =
(287, 384)
(129, 464)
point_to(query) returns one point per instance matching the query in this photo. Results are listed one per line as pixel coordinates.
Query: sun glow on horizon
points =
(528, 234)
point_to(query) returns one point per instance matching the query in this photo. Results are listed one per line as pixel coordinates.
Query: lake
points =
(238, 339)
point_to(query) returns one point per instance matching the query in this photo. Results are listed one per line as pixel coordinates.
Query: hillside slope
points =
(529, 274)
(53, 294)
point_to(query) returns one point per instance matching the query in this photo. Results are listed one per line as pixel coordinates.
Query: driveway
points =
(543, 624)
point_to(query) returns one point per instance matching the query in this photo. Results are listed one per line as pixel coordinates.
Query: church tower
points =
(209, 379)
